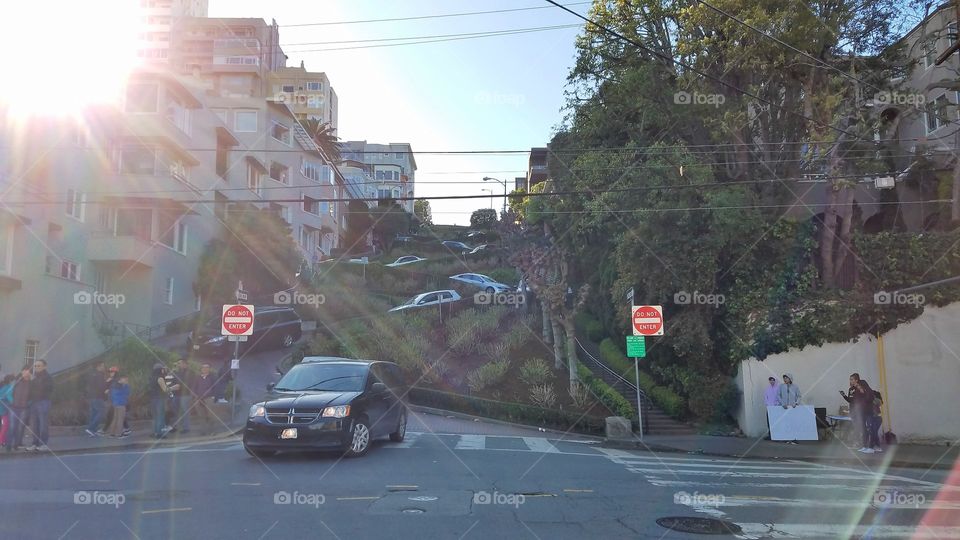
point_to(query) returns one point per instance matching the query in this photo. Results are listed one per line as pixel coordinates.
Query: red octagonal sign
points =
(647, 320)
(237, 320)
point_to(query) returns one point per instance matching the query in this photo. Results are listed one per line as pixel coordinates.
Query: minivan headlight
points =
(257, 411)
(340, 411)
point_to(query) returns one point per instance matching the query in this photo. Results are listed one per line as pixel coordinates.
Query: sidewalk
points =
(73, 439)
(830, 452)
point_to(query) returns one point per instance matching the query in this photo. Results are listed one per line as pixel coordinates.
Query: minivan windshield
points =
(324, 377)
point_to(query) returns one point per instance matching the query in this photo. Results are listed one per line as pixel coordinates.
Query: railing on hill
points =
(646, 404)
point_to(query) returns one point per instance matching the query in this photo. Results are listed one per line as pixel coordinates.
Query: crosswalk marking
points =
(471, 442)
(539, 444)
(824, 530)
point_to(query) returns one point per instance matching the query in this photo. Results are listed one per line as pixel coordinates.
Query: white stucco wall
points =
(922, 373)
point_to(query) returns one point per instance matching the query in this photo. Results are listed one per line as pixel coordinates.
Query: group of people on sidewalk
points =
(865, 413)
(25, 408)
(173, 396)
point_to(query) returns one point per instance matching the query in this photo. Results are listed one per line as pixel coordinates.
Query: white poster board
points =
(794, 424)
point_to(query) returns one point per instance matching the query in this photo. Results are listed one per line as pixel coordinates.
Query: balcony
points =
(127, 251)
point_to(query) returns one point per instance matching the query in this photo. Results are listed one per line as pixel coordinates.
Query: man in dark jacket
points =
(183, 396)
(203, 389)
(41, 391)
(856, 416)
(20, 410)
(96, 396)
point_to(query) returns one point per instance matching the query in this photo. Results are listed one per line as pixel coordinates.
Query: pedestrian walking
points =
(96, 398)
(6, 399)
(41, 392)
(159, 393)
(19, 410)
(184, 395)
(119, 397)
(857, 418)
(203, 390)
(869, 403)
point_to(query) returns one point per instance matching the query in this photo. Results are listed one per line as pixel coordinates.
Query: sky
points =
(493, 93)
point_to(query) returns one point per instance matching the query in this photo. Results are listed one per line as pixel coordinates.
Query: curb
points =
(637, 445)
(483, 419)
(134, 445)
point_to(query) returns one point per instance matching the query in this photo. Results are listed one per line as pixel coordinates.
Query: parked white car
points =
(454, 245)
(406, 259)
(484, 282)
(432, 298)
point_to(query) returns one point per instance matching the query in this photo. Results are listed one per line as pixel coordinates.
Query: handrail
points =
(608, 370)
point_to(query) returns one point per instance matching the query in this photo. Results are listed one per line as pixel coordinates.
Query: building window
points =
(142, 98)
(325, 208)
(280, 133)
(69, 270)
(245, 121)
(6, 249)
(173, 232)
(936, 113)
(315, 86)
(399, 155)
(253, 180)
(138, 160)
(288, 88)
(306, 238)
(168, 292)
(75, 200)
(311, 205)
(311, 170)
(280, 172)
(179, 115)
(31, 350)
(951, 33)
(929, 53)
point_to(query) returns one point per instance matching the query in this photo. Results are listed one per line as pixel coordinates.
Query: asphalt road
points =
(464, 485)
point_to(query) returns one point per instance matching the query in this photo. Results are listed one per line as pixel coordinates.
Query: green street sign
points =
(636, 347)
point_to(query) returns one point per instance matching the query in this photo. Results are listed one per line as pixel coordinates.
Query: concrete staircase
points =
(655, 421)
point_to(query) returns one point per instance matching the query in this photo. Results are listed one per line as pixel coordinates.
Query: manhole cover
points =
(413, 510)
(699, 525)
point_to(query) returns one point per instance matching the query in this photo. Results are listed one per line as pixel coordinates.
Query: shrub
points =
(535, 371)
(542, 395)
(496, 351)
(462, 334)
(664, 398)
(614, 359)
(610, 398)
(580, 395)
(507, 276)
(714, 399)
(487, 375)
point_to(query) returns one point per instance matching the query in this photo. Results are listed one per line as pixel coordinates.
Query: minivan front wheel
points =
(401, 432)
(359, 439)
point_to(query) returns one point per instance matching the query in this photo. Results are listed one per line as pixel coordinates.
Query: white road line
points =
(539, 444)
(730, 466)
(472, 442)
(408, 441)
(614, 453)
(750, 474)
(746, 500)
(823, 530)
(869, 487)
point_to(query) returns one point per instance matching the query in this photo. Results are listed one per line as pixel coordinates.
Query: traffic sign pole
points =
(636, 367)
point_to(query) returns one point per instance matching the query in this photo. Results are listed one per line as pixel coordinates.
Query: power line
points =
(703, 73)
(463, 34)
(421, 17)
(461, 38)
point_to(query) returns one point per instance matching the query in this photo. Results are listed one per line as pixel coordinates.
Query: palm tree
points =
(323, 134)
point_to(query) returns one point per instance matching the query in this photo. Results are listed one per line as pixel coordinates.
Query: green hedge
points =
(610, 398)
(512, 412)
(590, 326)
(664, 398)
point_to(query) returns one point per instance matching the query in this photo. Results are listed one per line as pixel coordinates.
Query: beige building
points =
(392, 167)
(157, 19)
(309, 94)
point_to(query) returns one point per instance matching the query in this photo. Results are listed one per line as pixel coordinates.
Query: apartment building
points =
(106, 218)
(536, 167)
(309, 94)
(157, 19)
(392, 166)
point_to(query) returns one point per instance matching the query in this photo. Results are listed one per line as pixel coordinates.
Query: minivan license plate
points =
(290, 433)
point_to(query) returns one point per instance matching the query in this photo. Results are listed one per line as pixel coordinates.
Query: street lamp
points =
(486, 178)
(491, 196)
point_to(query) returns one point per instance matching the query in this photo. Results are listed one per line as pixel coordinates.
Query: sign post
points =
(237, 324)
(636, 349)
(646, 321)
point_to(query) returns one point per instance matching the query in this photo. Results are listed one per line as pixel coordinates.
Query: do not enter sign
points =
(647, 320)
(237, 320)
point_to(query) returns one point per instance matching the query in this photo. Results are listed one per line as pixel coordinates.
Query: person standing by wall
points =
(96, 398)
(788, 394)
(19, 410)
(41, 391)
(868, 403)
(159, 393)
(771, 398)
(119, 398)
(184, 378)
(857, 419)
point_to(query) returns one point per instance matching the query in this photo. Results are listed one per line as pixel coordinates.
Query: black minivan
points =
(329, 403)
(273, 326)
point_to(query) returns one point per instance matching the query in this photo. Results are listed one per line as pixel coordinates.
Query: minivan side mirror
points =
(378, 387)
(270, 386)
